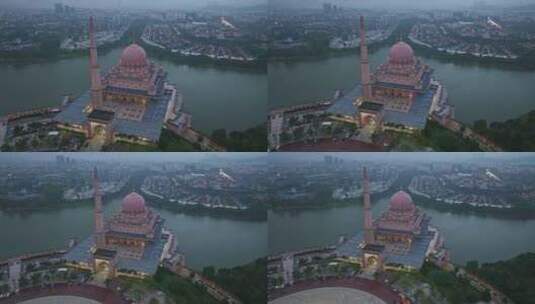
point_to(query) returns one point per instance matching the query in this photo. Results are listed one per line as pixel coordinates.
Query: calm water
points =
(217, 98)
(204, 240)
(477, 92)
(468, 237)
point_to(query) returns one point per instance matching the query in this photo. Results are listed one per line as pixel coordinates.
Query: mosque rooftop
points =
(149, 127)
(414, 258)
(425, 80)
(345, 104)
(416, 117)
(101, 115)
(73, 113)
(106, 253)
(147, 264)
(371, 106)
(374, 247)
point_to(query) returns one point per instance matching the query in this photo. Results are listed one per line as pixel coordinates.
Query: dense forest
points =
(511, 135)
(514, 277)
(247, 282)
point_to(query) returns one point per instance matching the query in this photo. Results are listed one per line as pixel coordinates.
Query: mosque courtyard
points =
(329, 295)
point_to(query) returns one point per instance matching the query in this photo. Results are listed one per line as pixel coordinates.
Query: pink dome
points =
(133, 203)
(401, 53)
(401, 201)
(133, 56)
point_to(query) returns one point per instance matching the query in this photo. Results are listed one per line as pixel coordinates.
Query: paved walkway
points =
(95, 144)
(329, 295)
(90, 292)
(60, 300)
(373, 288)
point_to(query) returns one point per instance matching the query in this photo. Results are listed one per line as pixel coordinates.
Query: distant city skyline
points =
(127, 156)
(280, 156)
(196, 4)
(423, 157)
(133, 4)
(389, 4)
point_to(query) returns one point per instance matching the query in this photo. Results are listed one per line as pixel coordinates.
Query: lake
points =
(467, 236)
(216, 97)
(204, 240)
(478, 92)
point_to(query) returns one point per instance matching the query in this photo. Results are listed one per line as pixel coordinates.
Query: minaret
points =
(364, 63)
(96, 83)
(368, 229)
(99, 218)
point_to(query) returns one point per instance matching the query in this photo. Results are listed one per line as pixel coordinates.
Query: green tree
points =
(36, 278)
(480, 125)
(17, 131)
(209, 271)
(472, 266)
(219, 135)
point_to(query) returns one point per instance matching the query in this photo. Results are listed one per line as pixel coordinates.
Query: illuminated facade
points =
(400, 94)
(133, 229)
(133, 239)
(131, 102)
(399, 81)
(400, 238)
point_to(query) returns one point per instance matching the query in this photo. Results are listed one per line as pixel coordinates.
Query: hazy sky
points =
(144, 4)
(410, 157)
(389, 156)
(211, 157)
(191, 4)
(126, 156)
(397, 3)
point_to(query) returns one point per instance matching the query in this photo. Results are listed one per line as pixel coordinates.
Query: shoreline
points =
(250, 215)
(462, 209)
(258, 66)
(425, 52)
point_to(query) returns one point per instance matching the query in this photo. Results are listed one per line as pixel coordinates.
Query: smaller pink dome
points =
(133, 203)
(133, 56)
(401, 201)
(401, 53)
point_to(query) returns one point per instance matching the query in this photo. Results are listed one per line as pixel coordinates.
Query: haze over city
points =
(137, 157)
(408, 157)
(405, 4)
(131, 4)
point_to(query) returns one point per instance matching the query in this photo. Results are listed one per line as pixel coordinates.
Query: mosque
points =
(131, 102)
(400, 239)
(132, 241)
(401, 94)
